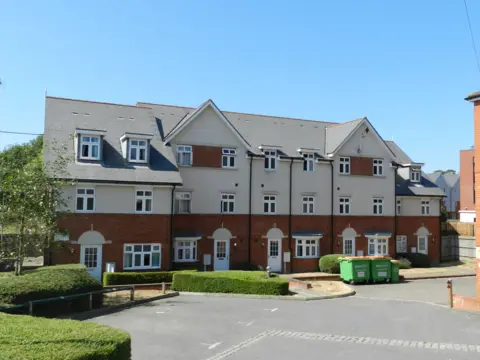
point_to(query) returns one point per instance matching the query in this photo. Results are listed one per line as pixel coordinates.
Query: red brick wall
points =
(466, 180)
(207, 156)
(476, 118)
(361, 166)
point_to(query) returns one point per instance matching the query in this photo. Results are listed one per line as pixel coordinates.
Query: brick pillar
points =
(475, 98)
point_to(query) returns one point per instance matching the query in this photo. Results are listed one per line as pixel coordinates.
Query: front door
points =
(275, 255)
(221, 260)
(422, 245)
(91, 257)
(348, 247)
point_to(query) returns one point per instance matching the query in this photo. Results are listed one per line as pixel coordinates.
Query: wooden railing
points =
(458, 228)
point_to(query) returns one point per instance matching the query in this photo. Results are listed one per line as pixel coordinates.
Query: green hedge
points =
(330, 263)
(238, 282)
(32, 338)
(48, 282)
(130, 278)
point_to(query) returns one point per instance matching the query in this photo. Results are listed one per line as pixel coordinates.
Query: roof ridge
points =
(175, 106)
(346, 122)
(98, 102)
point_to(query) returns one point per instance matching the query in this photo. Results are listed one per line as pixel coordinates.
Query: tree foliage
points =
(449, 171)
(31, 198)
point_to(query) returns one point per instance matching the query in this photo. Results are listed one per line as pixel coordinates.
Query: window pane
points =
(84, 150)
(314, 250)
(299, 250)
(138, 260)
(156, 259)
(90, 191)
(90, 203)
(139, 205)
(187, 254)
(133, 153)
(146, 260)
(307, 251)
(137, 248)
(232, 161)
(142, 154)
(148, 205)
(311, 208)
(79, 203)
(187, 159)
(180, 254)
(95, 151)
(273, 207)
(224, 161)
(127, 260)
(231, 207)
(265, 207)
(147, 248)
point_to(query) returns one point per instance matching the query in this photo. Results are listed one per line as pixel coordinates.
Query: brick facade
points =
(361, 166)
(207, 156)
(467, 175)
(476, 118)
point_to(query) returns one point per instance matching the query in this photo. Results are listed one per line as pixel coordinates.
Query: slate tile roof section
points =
(337, 133)
(402, 158)
(64, 116)
(404, 187)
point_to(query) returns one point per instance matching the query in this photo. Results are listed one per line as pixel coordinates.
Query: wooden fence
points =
(458, 228)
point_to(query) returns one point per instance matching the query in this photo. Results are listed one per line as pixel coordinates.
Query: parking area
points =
(214, 328)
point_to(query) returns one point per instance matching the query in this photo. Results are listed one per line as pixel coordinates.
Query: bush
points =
(31, 338)
(237, 282)
(330, 263)
(404, 264)
(48, 282)
(130, 278)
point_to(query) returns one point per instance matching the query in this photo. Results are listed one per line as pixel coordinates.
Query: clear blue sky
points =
(406, 65)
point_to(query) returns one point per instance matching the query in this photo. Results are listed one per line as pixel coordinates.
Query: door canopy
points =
(222, 234)
(274, 233)
(349, 233)
(91, 238)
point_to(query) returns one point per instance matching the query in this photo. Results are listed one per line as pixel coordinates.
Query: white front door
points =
(91, 257)
(275, 255)
(348, 247)
(422, 245)
(222, 250)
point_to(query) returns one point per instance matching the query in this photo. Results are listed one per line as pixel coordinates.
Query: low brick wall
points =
(153, 286)
(299, 284)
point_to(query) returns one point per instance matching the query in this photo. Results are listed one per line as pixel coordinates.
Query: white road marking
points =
(246, 323)
(163, 312)
(211, 346)
(271, 310)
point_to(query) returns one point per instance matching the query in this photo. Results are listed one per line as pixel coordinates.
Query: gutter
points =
(172, 202)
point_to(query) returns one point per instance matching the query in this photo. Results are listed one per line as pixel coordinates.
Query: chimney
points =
(475, 99)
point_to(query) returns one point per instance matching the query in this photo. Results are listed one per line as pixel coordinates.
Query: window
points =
(228, 158)
(425, 207)
(377, 206)
(183, 203)
(399, 207)
(309, 162)
(307, 248)
(85, 200)
(90, 259)
(415, 175)
(422, 244)
(137, 151)
(348, 247)
(143, 201)
(308, 205)
(344, 206)
(227, 204)
(401, 244)
(344, 166)
(377, 247)
(270, 159)
(185, 250)
(141, 256)
(89, 147)
(377, 167)
(269, 204)
(184, 155)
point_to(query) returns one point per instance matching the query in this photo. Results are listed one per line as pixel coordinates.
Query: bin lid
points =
(395, 261)
(380, 258)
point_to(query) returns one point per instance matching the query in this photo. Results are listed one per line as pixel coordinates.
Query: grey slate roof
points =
(404, 187)
(451, 179)
(434, 176)
(399, 153)
(336, 133)
(63, 116)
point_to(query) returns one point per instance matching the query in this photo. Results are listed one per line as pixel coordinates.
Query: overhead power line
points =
(471, 35)
(18, 133)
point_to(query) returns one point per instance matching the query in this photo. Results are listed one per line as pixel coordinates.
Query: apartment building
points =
(450, 184)
(161, 187)
(467, 185)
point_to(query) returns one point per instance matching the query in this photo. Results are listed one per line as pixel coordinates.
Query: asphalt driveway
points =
(214, 328)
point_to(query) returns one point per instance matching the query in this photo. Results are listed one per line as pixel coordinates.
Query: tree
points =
(32, 199)
(449, 171)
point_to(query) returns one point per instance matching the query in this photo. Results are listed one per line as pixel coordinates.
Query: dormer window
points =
(270, 159)
(415, 175)
(137, 151)
(89, 147)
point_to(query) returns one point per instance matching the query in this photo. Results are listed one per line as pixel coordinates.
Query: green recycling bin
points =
(381, 268)
(395, 271)
(355, 269)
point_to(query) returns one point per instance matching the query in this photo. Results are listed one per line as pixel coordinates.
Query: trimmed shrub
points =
(32, 338)
(404, 264)
(235, 282)
(48, 282)
(330, 263)
(130, 278)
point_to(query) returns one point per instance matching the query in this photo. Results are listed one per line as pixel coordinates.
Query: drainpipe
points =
(439, 240)
(290, 217)
(332, 231)
(395, 217)
(250, 213)
(172, 202)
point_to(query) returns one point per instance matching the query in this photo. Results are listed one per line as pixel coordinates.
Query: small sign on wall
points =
(360, 253)
(207, 259)
(286, 256)
(413, 250)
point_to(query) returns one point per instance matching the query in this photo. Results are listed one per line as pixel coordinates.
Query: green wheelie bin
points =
(381, 268)
(355, 269)
(395, 271)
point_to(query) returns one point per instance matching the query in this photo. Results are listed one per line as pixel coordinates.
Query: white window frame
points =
(353, 246)
(307, 245)
(182, 150)
(380, 246)
(90, 145)
(138, 145)
(415, 175)
(308, 204)
(229, 156)
(186, 246)
(378, 167)
(399, 207)
(271, 202)
(130, 249)
(85, 194)
(309, 162)
(143, 196)
(270, 163)
(344, 165)
(425, 207)
(401, 244)
(377, 206)
(426, 244)
(227, 199)
(183, 196)
(344, 205)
